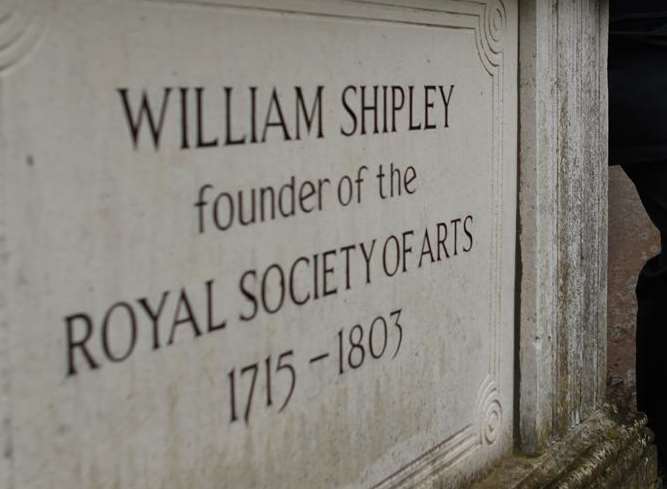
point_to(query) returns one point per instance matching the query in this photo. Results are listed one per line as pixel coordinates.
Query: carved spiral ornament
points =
(489, 412)
(495, 24)
(21, 26)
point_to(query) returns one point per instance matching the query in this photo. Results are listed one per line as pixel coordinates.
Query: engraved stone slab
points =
(256, 243)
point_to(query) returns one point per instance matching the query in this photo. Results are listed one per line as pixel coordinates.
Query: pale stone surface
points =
(100, 233)
(563, 216)
(579, 442)
(612, 449)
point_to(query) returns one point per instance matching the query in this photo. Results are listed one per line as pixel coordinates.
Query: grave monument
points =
(305, 244)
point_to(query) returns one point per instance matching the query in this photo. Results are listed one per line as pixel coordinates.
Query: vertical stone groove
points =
(563, 192)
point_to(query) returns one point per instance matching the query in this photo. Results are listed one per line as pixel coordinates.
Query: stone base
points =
(611, 450)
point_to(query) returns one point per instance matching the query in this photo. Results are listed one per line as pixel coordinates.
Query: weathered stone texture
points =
(611, 450)
(563, 216)
(174, 318)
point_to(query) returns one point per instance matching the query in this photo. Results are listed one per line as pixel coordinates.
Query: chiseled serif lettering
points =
(213, 117)
(126, 327)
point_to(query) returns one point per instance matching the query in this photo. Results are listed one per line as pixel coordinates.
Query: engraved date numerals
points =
(243, 384)
(360, 343)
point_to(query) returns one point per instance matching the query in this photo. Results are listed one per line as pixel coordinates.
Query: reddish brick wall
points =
(632, 240)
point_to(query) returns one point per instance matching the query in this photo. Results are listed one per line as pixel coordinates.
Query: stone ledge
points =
(611, 450)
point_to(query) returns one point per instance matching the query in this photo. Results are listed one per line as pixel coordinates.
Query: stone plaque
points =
(252, 244)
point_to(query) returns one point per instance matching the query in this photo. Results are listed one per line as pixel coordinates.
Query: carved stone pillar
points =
(566, 436)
